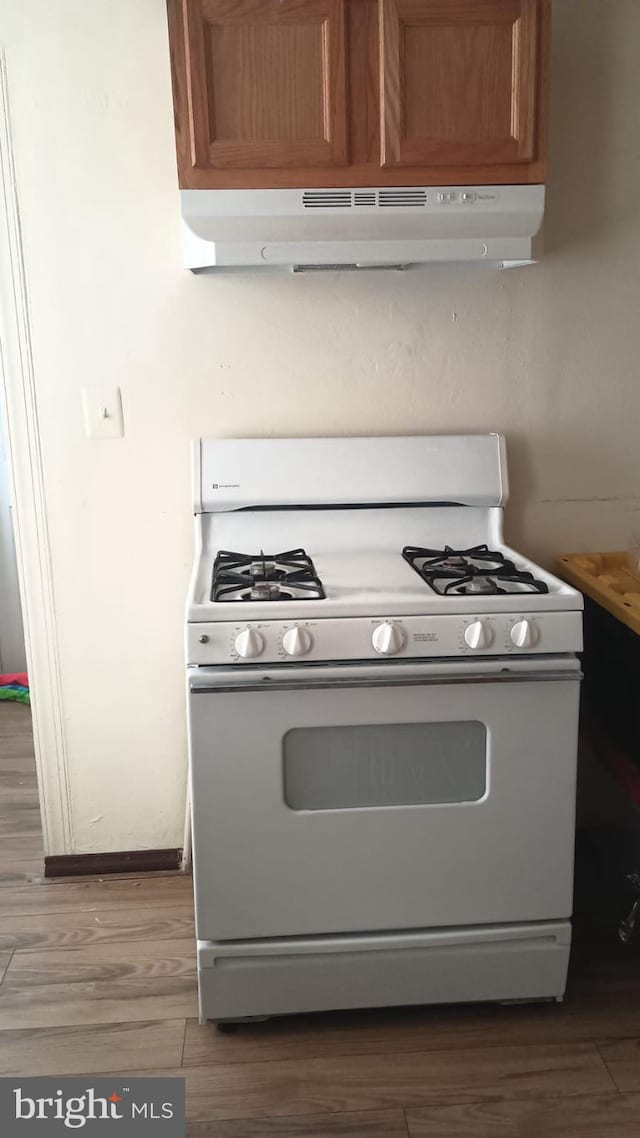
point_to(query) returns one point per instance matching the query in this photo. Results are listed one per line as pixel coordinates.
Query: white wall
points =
(12, 650)
(548, 355)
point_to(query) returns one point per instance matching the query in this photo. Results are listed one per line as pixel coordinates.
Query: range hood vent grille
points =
(327, 199)
(345, 199)
(400, 198)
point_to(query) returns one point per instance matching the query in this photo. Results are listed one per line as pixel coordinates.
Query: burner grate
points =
(265, 577)
(478, 571)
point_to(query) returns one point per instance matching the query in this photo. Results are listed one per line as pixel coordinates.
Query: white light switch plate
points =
(103, 412)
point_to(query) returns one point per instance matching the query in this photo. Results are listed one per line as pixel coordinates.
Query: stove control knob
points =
(249, 643)
(388, 638)
(478, 635)
(524, 634)
(296, 641)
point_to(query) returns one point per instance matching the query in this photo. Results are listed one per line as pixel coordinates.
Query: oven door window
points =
(408, 764)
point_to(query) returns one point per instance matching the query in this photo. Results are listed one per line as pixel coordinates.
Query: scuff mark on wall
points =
(612, 498)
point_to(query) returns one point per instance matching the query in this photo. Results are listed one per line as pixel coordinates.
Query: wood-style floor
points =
(97, 977)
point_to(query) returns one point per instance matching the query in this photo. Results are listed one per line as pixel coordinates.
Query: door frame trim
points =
(28, 491)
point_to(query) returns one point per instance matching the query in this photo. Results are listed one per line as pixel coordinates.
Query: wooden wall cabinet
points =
(286, 93)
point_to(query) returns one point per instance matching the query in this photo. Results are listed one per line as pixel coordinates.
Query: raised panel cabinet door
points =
(458, 81)
(265, 83)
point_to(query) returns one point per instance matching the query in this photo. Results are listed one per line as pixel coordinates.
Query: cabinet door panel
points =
(458, 81)
(266, 83)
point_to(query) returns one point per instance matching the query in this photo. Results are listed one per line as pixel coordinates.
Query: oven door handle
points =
(203, 682)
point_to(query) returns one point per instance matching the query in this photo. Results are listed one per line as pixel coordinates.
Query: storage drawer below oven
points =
(285, 976)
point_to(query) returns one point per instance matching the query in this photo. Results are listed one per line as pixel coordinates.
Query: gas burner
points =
(260, 577)
(467, 572)
(264, 570)
(481, 584)
(454, 561)
(267, 591)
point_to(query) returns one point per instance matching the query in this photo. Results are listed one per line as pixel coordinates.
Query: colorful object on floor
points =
(15, 686)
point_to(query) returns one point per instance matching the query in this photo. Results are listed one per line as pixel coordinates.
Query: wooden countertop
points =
(610, 581)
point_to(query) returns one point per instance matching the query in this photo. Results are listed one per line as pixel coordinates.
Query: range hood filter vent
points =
(401, 198)
(344, 199)
(326, 199)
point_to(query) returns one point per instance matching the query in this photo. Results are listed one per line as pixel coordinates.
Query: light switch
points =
(103, 412)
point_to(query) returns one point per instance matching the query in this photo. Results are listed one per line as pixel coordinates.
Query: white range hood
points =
(360, 228)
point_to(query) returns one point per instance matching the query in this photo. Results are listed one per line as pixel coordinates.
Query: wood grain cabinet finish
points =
(458, 81)
(288, 93)
(266, 83)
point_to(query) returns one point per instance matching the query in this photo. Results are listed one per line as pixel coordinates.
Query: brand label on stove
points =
(225, 485)
(422, 636)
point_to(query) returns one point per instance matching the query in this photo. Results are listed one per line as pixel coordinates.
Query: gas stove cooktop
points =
(346, 550)
(265, 577)
(470, 572)
(292, 575)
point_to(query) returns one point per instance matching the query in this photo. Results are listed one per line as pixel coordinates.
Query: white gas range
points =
(383, 706)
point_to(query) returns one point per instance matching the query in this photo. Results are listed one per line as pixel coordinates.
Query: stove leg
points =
(531, 1000)
(228, 1026)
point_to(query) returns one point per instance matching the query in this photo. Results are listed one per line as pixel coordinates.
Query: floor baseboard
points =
(120, 861)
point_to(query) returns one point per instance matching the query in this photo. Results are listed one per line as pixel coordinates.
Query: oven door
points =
(361, 798)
